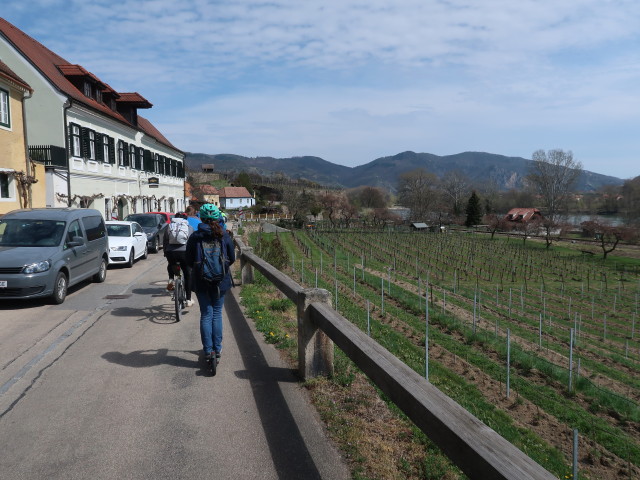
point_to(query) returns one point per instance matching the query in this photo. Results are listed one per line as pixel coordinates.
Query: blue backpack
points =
(213, 267)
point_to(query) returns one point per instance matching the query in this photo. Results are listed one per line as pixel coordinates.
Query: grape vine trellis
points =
(515, 287)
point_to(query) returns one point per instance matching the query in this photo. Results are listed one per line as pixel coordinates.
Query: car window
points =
(118, 230)
(74, 231)
(94, 226)
(31, 233)
(148, 220)
(137, 228)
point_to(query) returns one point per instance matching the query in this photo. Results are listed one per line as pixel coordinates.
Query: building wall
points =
(13, 156)
(44, 110)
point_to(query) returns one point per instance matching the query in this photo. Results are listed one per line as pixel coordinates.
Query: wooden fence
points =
(474, 447)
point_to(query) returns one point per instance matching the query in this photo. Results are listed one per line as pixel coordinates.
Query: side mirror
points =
(76, 242)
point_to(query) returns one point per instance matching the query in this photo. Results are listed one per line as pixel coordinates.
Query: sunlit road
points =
(108, 385)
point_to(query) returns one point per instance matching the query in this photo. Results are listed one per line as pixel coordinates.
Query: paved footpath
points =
(124, 395)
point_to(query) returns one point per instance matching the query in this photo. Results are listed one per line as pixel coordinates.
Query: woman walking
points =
(207, 242)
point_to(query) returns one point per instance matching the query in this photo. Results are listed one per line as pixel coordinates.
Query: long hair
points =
(216, 228)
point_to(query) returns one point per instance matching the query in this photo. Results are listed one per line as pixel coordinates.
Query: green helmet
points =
(209, 211)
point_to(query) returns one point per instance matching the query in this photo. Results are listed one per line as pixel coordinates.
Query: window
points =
(99, 95)
(121, 153)
(5, 182)
(87, 89)
(76, 150)
(155, 163)
(140, 158)
(105, 148)
(94, 226)
(132, 156)
(92, 144)
(74, 231)
(4, 108)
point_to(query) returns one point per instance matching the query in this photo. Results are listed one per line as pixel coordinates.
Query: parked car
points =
(166, 215)
(44, 251)
(127, 242)
(153, 225)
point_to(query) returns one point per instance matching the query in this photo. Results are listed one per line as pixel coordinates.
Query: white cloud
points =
(352, 80)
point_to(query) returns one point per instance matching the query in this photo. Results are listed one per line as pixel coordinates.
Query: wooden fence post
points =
(315, 348)
(246, 269)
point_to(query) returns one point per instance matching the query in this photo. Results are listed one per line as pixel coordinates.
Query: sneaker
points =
(170, 285)
(189, 303)
(217, 358)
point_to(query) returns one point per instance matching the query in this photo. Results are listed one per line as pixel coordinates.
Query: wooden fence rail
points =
(474, 447)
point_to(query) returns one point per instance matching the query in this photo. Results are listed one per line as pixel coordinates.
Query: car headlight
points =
(121, 248)
(37, 267)
(149, 235)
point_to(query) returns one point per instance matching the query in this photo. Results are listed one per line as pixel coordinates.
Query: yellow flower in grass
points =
(271, 333)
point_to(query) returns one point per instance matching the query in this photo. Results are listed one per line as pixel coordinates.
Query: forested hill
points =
(481, 168)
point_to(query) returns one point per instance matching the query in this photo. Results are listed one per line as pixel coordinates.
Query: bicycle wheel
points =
(178, 296)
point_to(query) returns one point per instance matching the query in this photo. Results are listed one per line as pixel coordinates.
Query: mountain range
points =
(479, 167)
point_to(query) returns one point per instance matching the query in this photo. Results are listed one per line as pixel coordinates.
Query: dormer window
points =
(87, 89)
(99, 95)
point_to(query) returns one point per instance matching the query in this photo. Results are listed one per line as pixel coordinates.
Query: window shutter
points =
(84, 142)
(69, 141)
(112, 151)
(148, 161)
(99, 148)
(125, 148)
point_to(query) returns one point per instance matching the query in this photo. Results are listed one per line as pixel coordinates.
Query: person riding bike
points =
(174, 245)
(210, 297)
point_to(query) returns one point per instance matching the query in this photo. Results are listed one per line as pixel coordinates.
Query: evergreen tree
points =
(474, 210)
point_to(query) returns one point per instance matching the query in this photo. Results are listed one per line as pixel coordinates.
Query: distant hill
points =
(481, 168)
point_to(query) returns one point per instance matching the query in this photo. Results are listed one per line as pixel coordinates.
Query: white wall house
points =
(98, 151)
(235, 198)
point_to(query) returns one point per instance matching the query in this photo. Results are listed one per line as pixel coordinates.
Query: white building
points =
(235, 198)
(97, 150)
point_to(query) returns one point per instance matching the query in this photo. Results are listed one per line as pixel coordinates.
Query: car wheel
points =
(59, 289)
(146, 252)
(130, 262)
(101, 276)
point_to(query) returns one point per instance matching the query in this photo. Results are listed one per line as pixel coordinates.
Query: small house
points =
(523, 215)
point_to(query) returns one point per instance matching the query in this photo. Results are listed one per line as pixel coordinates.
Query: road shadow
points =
(152, 358)
(159, 314)
(289, 452)
(23, 303)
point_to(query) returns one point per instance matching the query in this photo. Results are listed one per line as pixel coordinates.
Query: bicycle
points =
(179, 292)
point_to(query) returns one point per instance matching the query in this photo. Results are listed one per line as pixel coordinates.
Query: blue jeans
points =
(210, 322)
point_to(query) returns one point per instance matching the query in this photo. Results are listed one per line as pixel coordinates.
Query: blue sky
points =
(354, 80)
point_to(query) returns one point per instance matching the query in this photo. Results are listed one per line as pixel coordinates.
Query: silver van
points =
(44, 251)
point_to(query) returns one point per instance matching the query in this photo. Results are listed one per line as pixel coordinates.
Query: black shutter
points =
(99, 142)
(148, 161)
(70, 140)
(125, 149)
(112, 151)
(84, 142)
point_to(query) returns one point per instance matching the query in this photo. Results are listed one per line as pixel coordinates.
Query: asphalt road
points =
(105, 387)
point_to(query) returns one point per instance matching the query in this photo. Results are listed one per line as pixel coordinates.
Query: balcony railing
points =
(49, 155)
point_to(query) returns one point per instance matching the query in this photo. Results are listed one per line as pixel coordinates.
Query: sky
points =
(351, 81)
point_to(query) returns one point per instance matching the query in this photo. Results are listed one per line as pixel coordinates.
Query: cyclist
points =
(192, 218)
(210, 298)
(174, 245)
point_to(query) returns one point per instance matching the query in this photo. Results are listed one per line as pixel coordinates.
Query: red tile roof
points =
(136, 98)
(523, 214)
(9, 74)
(209, 190)
(234, 192)
(53, 67)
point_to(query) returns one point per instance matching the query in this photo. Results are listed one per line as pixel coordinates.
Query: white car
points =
(127, 242)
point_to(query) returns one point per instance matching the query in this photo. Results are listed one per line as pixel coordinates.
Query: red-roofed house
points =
(523, 215)
(234, 198)
(97, 150)
(211, 194)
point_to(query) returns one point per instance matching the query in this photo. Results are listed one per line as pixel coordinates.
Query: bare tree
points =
(455, 186)
(417, 190)
(608, 235)
(553, 175)
(497, 222)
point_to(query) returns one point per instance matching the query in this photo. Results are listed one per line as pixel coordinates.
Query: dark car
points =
(166, 215)
(153, 225)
